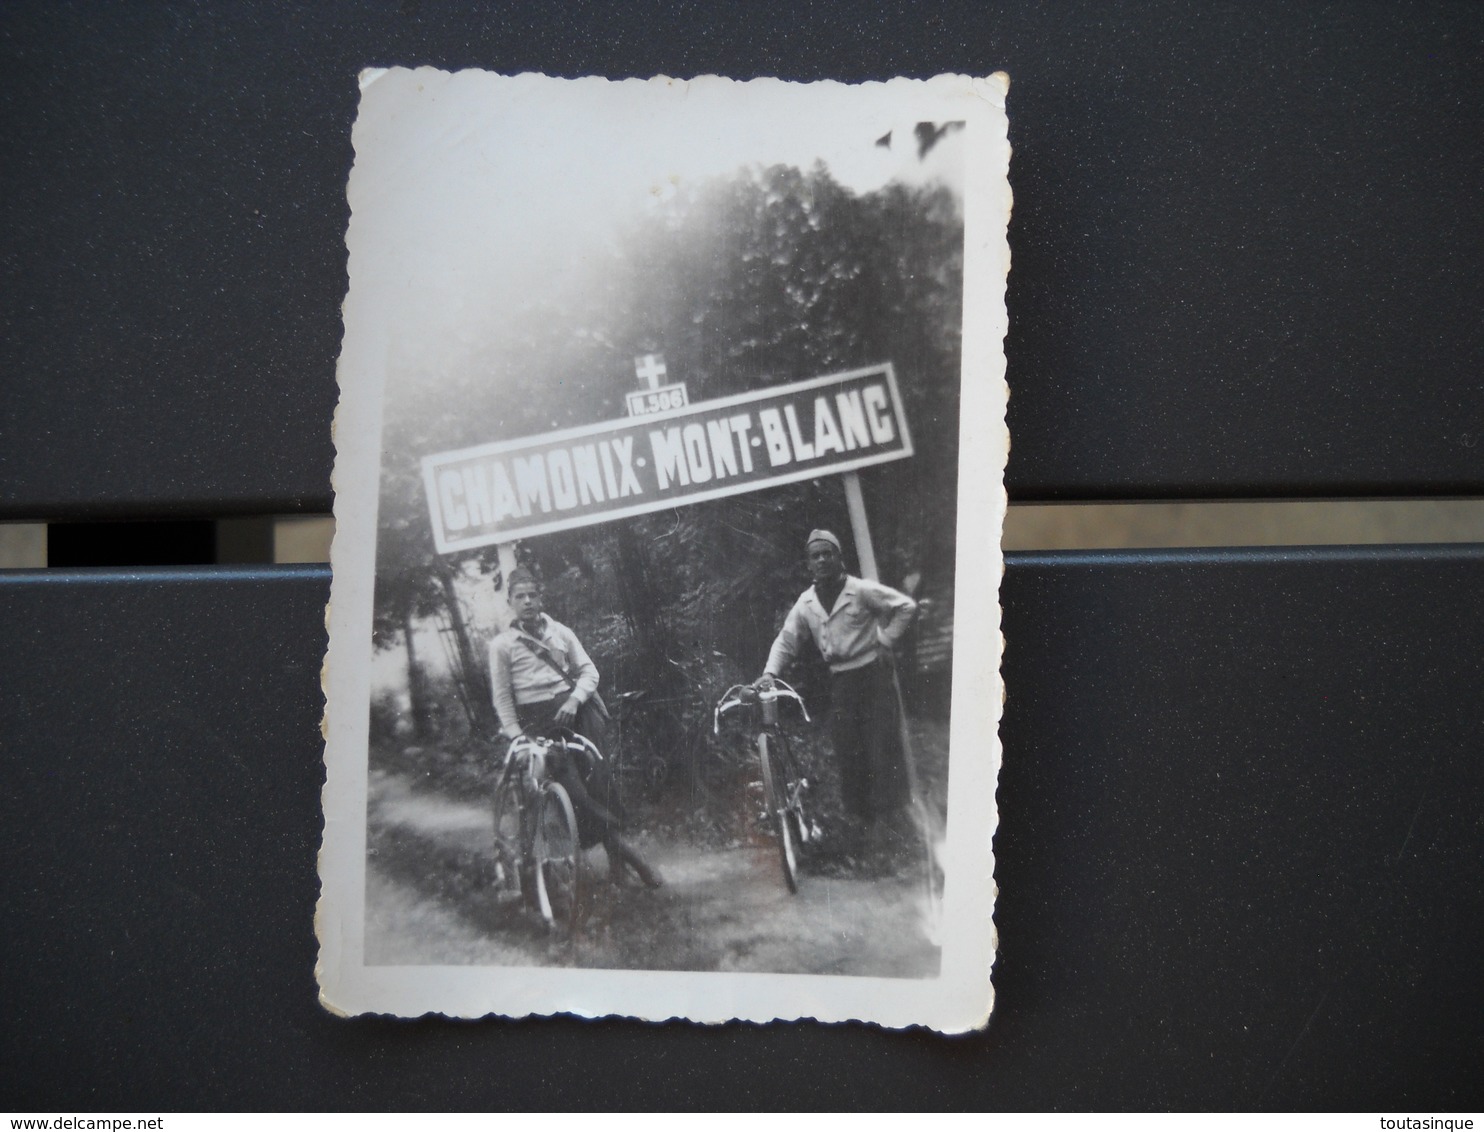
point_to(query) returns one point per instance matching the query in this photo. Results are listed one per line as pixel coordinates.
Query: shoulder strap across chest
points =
(539, 652)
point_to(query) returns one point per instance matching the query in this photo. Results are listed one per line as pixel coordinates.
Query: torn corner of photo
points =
(672, 416)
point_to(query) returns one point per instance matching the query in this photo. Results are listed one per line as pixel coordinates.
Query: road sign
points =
(647, 402)
(651, 370)
(517, 489)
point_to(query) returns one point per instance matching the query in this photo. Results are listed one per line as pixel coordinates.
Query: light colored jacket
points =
(866, 616)
(518, 675)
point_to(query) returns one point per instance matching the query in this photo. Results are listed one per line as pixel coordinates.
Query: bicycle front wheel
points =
(509, 855)
(776, 785)
(556, 858)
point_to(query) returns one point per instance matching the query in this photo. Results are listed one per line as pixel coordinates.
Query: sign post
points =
(855, 503)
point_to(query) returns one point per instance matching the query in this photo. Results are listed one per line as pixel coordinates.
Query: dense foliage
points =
(771, 276)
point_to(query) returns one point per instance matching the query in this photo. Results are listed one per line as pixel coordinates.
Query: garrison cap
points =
(520, 576)
(823, 536)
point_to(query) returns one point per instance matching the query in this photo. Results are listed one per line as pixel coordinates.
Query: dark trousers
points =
(866, 726)
(590, 787)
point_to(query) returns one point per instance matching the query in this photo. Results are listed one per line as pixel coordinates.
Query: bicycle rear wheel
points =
(556, 858)
(640, 774)
(772, 764)
(509, 856)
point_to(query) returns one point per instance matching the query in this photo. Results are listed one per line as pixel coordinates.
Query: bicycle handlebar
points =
(526, 745)
(733, 698)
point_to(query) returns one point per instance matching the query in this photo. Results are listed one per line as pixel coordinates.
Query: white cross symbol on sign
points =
(650, 368)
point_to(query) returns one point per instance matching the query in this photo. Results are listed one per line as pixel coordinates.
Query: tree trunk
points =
(417, 681)
(476, 697)
(643, 611)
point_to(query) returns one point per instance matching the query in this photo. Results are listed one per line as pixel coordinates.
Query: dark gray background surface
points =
(1240, 855)
(1245, 240)
(1240, 851)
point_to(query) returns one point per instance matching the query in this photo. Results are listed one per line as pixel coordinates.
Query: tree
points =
(766, 277)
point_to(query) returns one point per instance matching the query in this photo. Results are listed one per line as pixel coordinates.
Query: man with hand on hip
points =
(855, 623)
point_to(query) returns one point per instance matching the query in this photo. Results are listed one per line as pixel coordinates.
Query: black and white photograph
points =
(663, 675)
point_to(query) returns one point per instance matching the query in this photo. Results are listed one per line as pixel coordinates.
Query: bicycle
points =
(639, 772)
(536, 840)
(783, 787)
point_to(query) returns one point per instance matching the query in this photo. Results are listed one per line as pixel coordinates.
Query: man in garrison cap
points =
(855, 623)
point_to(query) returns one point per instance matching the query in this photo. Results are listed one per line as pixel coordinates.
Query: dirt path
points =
(428, 901)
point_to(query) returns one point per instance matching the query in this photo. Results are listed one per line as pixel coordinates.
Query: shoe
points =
(650, 878)
(628, 859)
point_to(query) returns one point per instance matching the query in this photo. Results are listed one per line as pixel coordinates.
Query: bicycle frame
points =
(783, 788)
